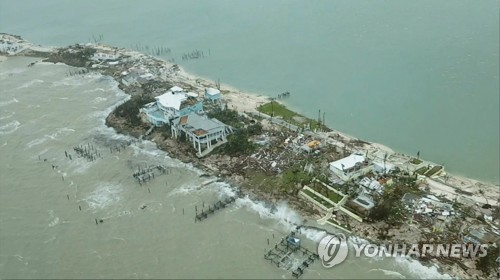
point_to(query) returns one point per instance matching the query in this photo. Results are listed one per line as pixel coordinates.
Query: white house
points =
(212, 94)
(170, 105)
(106, 55)
(204, 133)
(350, 167)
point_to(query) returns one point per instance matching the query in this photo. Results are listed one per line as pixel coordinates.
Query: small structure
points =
(205, 133)
(173, 104)
(363, 203)
(311, 146)
(106, 55)
(350, 167)
(293, 241)
(212, 94)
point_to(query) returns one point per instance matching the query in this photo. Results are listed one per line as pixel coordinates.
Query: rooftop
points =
(347, 162)
(171, 99)
(176, 89)
(199, 125)
(212, 91)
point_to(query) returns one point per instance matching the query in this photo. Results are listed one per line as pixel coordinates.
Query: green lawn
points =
(288, 115)
(422, 170)
(318, 199)
(433, 170)
(415, 161)
(278, 109)
(333, 196)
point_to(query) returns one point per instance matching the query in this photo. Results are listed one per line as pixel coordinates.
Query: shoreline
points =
(248, 103)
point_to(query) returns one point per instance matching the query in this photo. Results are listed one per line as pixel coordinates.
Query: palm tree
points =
(385, 159)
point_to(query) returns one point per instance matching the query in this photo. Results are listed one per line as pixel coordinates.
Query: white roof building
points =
(176, 89)
(171, 99)
(212, 94)
(347, 162)
(350, 167)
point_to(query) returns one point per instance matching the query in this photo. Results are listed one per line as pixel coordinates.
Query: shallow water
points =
(416, 76)
(46, 235)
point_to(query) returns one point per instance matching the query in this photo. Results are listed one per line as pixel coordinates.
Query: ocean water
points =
(49, 203)
(413, 75)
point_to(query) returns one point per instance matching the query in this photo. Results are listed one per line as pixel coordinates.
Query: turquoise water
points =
(413, 75)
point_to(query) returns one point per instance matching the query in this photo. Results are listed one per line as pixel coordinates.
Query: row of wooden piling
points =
(196, 54)
(283, 95)
(77, 72)
(212, 209)
(85, 151)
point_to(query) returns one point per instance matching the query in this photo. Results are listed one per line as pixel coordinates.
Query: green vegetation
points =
(390, 207)
(318, 199)
(422, 170)
(433, 170)
(415, 161)
(296, 175)
(333, 196)
(275, 109)
(77, 56)
(278, 109)
(229, 117)
(488, 263)
(130, 109)
(238, 144)
(254, 129)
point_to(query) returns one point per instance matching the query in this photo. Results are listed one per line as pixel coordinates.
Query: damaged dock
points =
(281, 254)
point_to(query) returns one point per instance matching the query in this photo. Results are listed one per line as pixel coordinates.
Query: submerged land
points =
(274, 154)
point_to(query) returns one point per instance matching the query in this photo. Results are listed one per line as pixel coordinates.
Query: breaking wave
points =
(390, 273)
(5, 103)
(53, 136)
(30, 83)
(10, 127)
(424, 272)
(104, 195)
(7, 116)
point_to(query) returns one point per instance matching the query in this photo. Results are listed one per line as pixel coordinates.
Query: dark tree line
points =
(130, 109)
